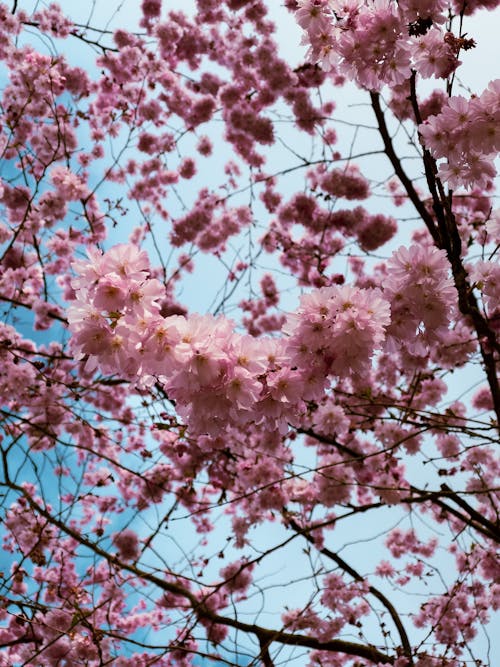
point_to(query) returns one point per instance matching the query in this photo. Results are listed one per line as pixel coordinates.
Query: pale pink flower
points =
(243, 389)
(285, 386)
(70, 185)
(127, 261)
(110, 293)
(385, 569)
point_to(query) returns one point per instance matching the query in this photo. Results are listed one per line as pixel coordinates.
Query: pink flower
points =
(237, 576)
(151, 8)
(95, 338)
(69, 185)
(312, 15)
(243, 389)
(433, 56)
(127, 261)
(110, 293)
(285, 386)
(127, 543)
(385, 569)
(330, 420)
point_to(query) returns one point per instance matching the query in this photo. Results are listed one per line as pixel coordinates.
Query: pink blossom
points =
(273, 377)
(110, 293)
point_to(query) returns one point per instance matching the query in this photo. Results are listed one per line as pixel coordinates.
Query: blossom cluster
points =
(466, 133)
(215, 376)
(336, 330)
(218, 377)
(377, 43)
(422, 297)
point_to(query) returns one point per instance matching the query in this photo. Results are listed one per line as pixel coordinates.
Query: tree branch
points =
(405, 642)
(398, 168)
(473, 518)
(445, 237)
(265, 635)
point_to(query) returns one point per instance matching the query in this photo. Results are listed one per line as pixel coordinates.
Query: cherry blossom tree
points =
(302, 469)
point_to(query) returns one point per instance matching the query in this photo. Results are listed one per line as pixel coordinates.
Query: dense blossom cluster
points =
(384, 43)
(249, 385)
(218, 377)
(466, 133)
(336, 330)
(422, 297)
(377, 43)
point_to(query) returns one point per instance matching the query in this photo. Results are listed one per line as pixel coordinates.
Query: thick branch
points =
(264, 635)
(449, 240)
(445, 237)
(398, 168)
(264, 653)
(472, 518)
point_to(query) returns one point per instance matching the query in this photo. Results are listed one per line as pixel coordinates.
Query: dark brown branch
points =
(16, 302)
(264, 653)
(79, 34)
(370, 653)
(20, 640)
(472, 518)
(398, 168)
(449, 240)
(343, 449)
(407, 651)
(446, 237)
